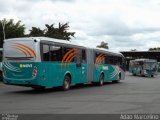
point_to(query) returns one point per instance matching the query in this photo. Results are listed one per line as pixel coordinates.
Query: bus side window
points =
(45, 52)
(78, 58)
(111, 60)
(106, 59)
(55, 53)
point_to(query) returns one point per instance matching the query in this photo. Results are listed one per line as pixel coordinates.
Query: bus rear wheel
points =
(133, 73)
(66, 83)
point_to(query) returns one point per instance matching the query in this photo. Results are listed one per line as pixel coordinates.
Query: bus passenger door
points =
(78, 71)
(81, 72)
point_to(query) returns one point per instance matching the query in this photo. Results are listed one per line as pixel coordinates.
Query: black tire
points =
(152, 75)
(101, 80)
(66, 83)
(141, 74)
(134, 74)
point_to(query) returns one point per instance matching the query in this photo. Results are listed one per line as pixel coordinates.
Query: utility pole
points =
(3, 26)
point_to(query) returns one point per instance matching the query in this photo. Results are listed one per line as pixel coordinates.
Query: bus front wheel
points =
(66, 83)
(101, 80)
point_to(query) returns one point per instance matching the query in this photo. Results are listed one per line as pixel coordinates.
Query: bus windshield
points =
(150, 65)
(19, 51)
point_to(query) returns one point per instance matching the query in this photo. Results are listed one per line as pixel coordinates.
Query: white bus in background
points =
(143, 67)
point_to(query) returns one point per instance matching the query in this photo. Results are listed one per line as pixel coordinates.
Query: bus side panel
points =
(84, 73)
(110, 72)
(97, 72)
(135, 70)
(53, 73)
(48, 77)
(78, 74)
(113, 72)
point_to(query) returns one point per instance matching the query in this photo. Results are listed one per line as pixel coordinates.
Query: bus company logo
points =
(25, 65)
(105, 67)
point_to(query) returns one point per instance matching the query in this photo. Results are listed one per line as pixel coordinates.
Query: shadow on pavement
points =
(59, 89)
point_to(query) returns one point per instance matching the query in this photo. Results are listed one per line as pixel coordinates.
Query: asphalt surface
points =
(132, 95)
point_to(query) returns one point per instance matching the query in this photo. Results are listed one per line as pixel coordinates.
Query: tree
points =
(154, 49)
(103, 45)
(35, 32)
(133, 50)
(12, 30)
(50, 31)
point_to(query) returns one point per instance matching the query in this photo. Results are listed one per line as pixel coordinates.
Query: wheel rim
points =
(101, 80)
(66, 84)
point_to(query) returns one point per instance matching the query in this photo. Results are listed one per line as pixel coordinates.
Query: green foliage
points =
(53, 32)
(35, 32)
(15, 30)
(133, 50)
(103, 45)
(12, 30)
(154, 49)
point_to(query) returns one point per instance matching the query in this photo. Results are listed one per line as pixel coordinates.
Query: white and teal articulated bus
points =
(41, 62)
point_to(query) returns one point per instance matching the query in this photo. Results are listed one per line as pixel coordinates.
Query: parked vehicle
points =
(158, 66)
(143, 67)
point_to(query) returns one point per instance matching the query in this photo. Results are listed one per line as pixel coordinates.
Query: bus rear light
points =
(34, 72)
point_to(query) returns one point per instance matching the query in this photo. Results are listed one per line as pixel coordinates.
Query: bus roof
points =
(64, 42)
(144, 60)
(107, 51)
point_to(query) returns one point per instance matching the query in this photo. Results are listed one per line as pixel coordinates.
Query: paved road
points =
(132, 95)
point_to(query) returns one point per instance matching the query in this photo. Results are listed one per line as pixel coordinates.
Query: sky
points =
(123, 24)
